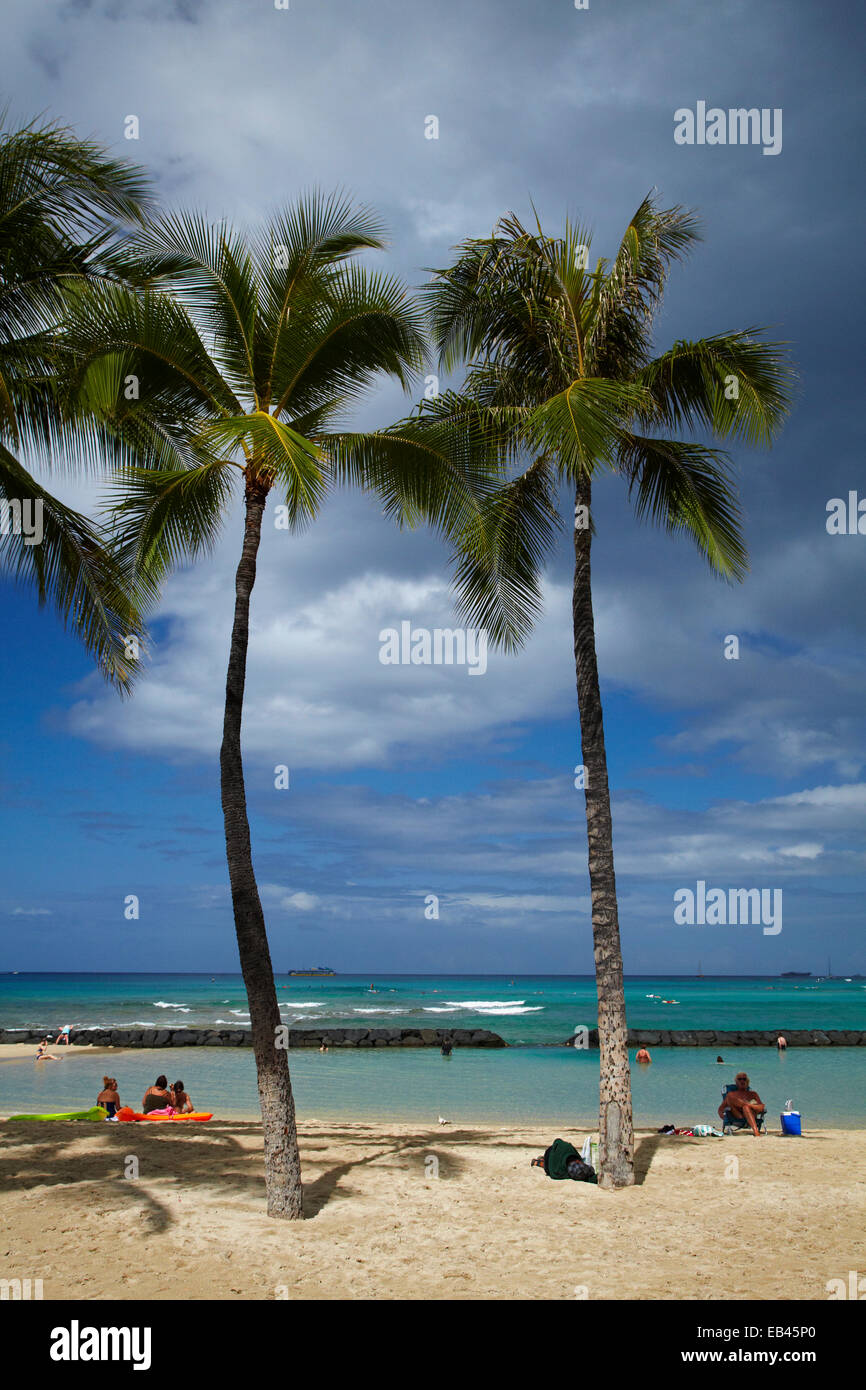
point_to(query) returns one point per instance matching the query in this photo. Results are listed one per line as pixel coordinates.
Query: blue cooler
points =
(790, 1122)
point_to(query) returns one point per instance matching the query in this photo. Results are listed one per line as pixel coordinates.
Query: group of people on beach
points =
(42, 1053)
(159, 1099)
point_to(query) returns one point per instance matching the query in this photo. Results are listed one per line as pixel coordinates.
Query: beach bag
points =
(589, 1152)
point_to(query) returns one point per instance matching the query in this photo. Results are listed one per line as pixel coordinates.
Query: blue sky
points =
(407, 781)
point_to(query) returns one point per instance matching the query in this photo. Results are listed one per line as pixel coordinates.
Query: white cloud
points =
(301, 902)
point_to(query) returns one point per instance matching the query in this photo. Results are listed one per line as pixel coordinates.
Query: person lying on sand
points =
(181, 1100)
(108, 1097)
(562, 1160)
(157, 1097)
(743, 1103)
(43, 1055)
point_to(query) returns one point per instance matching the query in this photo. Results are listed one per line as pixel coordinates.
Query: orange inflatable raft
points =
(128, 1114)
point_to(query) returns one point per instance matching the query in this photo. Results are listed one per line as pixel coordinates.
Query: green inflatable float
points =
(95, 1113)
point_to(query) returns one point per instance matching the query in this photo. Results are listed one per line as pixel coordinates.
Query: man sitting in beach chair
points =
(741, 1106)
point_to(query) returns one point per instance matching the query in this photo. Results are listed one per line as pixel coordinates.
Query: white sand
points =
(381, 1225)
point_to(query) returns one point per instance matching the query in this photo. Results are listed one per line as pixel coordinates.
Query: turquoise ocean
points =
(532, 1081)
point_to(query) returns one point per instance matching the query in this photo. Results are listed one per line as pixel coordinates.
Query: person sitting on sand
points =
(157, 1097)
(181, 1101)
(108, 1097)
(43, 1055)
(642, 1055)
(63, 1035)
(743, 1103)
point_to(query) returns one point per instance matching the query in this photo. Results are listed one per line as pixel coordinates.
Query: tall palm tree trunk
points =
(616, 1134)
(282, 1160)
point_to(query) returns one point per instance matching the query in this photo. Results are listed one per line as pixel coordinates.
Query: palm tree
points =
(561, 371)
(60, 199)
(248, 355)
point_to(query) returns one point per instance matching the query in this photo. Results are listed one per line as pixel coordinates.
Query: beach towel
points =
(96, 1112)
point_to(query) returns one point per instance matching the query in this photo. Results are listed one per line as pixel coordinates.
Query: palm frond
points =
(166, 517)
(687, 488)
(733, 384)
(72, 568)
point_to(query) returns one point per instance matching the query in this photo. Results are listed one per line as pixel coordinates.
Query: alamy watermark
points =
(736, 126)
(846, 519)
(736, 907)
(443, 646)
(22, 517)
(16, 1290)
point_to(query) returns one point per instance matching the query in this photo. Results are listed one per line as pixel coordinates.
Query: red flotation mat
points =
(127, 1114)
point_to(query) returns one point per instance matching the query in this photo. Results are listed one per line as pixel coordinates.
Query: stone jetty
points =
(746, 1037)
(242, 1037)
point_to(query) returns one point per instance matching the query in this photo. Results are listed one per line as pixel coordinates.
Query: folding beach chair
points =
(730, 1121)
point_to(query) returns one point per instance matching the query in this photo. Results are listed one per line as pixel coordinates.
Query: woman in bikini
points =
(108, 1097)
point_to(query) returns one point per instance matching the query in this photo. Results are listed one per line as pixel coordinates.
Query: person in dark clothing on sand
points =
(562, 1160)
(157, 1097)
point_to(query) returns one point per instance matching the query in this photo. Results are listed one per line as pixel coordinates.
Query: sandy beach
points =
(23, 1052)
(381, 1225)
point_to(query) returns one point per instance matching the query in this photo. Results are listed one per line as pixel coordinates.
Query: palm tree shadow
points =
(46, 1165)
(644, 1155)
(325, 1187)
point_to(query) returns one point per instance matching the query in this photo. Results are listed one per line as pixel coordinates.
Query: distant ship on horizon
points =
(796, 975)
(315, 970)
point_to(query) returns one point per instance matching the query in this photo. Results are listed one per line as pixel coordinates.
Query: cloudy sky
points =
(409, 781)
